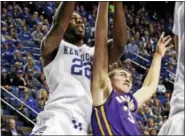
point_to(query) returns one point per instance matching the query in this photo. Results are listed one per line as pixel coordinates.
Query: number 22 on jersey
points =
(81, 68)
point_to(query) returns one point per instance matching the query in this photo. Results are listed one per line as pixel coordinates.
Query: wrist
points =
(158, 55)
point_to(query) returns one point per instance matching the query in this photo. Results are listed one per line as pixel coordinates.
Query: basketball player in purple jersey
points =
(113, 104)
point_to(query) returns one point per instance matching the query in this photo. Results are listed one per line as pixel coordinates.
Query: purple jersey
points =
(115, 116)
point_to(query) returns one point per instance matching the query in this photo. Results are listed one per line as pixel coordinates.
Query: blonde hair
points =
(118, 65)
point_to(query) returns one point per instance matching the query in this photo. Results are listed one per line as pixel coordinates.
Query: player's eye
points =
(123, 75)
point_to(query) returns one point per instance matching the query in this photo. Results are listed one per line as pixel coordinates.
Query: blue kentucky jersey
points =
(115, 116)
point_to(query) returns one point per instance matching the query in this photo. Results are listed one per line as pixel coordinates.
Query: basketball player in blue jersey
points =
(113, 104)
(67, 67)
(175, 123)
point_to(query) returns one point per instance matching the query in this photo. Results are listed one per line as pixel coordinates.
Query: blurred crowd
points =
(22, 29)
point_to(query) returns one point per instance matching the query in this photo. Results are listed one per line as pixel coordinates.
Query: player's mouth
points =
(80, 28)
(126, 83)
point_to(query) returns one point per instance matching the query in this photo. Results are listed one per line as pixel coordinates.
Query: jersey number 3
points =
(81, 68)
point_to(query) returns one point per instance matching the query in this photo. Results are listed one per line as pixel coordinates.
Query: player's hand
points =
(162, 45)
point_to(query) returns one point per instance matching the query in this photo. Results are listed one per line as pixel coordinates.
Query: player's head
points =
(121, 79)
(76, 29)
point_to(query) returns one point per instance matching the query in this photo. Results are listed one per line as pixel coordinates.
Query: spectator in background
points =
(142, 114)
(153, 132)
(25, 14)
(6, 52)
(43, 97)
(13, 36)
(37, 36)
(42, 78)
(34, 20)
(20, 47)
(166, 109)
(171, 74)
(33, 83)
(18, 57)
(148, 49)
(5, 79)
(128, 64)
(29, 64)
(25, 35)
(161, 89)
(146, 133)
(11, 129)
(27, 55)
(157, 107)
(45, 86)
(160, 120)
(150, 124)
(27, 99)
(19, 80)
(83, 12)
(132, 46)
(148, 112)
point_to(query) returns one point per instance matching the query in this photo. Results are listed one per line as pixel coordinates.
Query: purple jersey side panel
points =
(115, 116)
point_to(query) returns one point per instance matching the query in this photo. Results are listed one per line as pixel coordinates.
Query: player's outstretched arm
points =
(51, 42)
(100, 77)
(117, 45)
(151, 81)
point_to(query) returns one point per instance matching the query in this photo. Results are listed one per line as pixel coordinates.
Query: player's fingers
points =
(162, 35)
(119, 63)
(166, 38)
(169, 47)
(168, 41)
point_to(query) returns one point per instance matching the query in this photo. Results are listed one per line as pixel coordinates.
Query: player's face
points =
(76, 25)
(122, 81)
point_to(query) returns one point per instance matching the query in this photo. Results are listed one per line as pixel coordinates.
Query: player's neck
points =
(78, 41)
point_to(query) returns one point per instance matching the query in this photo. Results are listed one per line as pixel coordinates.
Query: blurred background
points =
(24, 89)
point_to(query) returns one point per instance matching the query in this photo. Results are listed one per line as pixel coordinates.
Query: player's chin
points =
(81, 34)
(125, 89)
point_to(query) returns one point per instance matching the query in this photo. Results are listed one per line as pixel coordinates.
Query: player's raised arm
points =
(117, 45)
(151, 81)
(51, 42)
(100, 63)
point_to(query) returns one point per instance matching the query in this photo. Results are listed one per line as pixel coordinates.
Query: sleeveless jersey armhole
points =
(105, 101)
(49, 66)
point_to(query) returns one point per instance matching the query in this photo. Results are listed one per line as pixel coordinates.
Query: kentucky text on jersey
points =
(71, 51)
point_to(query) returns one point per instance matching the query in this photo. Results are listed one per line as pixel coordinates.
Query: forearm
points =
(116, 48)
(119, 26)
(101, 53)
(63, 14)
(153, 75)
(60, 22)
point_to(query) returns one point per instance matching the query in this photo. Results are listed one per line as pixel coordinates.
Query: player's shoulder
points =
(108, 101)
